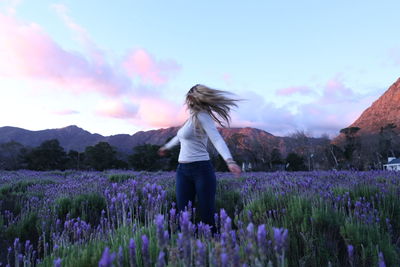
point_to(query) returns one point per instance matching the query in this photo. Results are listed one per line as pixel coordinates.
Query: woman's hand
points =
(162, 152)
(235, 169)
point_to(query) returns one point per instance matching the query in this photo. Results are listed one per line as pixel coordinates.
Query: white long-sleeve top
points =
(194, 144)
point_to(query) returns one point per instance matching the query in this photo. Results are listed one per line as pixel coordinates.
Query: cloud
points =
(394, 55)
(258, 113)
(116, 109)
(333, 106)
(145, 111)
(336, 91)
(303, 90)
(80, 34)
(227, 78)
(26, 51)
(336, 107)
(11, 5)
(140, 63)
(65, 112)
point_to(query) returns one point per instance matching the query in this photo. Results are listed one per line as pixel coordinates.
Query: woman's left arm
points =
(209, 127)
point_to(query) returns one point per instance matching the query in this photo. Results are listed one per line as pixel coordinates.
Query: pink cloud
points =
(336, 107)
(303, 90)
(139, 63)
(145, 111)
(161, 113)
(394, 55)
(26, 51)
(335, 90)
(65, 112)
(117, 109)
(227, 78)
(80, 34)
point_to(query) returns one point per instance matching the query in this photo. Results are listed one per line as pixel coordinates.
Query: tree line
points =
(50, 155)
(355, 151)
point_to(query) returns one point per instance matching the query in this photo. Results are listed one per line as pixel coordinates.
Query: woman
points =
(195, 174)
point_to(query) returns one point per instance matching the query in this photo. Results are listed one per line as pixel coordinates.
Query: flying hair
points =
(216, 103)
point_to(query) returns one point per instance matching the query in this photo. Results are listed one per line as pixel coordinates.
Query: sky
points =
(118, 67)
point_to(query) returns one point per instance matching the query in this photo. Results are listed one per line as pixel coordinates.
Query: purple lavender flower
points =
(159, 221)
(381, 260)
(107, 258)
(236, 256)
(250, 215)
(350, 252)
(145, 251)
(262, 239)
(172, 219)
(224, 259)
(132, 253)
(280, 237)
(57, 262)
(166, 237)
(27, 244)
(184, 222)
(16, 243)
(20, 258)
(161, 259)
(120, 256)
(200, 254)
(250, 232)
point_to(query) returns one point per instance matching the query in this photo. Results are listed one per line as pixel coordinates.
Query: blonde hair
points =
(215, 102)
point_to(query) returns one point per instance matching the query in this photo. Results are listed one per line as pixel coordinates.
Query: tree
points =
(101, 156)
(387, 140)
(75, 160)
(295, 162)
(145, 157)
(276, 159)
(48, 156)
(10, 155)
(303, 146)
(352, 145)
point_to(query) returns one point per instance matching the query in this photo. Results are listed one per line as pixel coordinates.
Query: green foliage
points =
(230, 201)
(368, 241)
(220, 164)
(296, 162)
(48, 156)
(276, 157)
(11, 155)
(13, 195)
(118, 178)
(86, 206)
(268, 200)
(146, 157)
(327, 240)
(90, 253)
(24, 229)
(101, 156)
(75, 160)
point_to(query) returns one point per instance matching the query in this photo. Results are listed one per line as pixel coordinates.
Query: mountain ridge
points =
(383, 111)
(73, 137)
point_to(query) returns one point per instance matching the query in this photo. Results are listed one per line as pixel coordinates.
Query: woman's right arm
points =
(173, 142)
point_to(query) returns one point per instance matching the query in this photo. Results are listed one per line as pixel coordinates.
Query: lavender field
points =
(127, 218)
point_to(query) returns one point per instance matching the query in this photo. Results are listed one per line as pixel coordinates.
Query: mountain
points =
(385, 110)
(75, 138)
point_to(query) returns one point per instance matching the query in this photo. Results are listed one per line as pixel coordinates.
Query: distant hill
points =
(75, 138)
(385, 110)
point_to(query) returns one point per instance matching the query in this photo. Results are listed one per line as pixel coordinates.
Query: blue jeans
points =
(197, 178)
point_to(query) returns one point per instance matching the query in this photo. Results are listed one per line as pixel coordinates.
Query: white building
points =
(392, 165)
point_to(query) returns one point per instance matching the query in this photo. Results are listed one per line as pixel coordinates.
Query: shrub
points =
(85, 206)
(118, 178)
